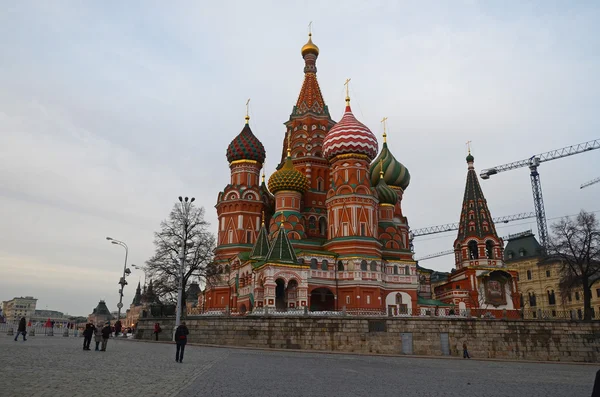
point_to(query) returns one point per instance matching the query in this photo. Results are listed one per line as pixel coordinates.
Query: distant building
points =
(101, 314)
(41, 316)
(16, 308)
(539, 278)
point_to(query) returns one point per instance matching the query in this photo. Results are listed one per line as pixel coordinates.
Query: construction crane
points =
(454, 226)
(533, 163)
(589, 183)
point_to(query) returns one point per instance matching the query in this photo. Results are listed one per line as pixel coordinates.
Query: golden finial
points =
(263, 174)
(380, 168)
(247, 114)
(310, 28)
(347, 84)
(263, 218)
(384, 120)
(469, 146)
(289, 147)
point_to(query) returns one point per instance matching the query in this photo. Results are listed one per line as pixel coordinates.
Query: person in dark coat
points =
(106, 331)
(181, 339)
(88, 332)
(596, 391)
(22, 329)
(118, 327)
(465, 351)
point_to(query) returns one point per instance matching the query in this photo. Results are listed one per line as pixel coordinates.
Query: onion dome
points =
(470, 158)
(386, 194)
(395, 173)
(246, 146)
(310, 47)
(288, 178)
(349, 136)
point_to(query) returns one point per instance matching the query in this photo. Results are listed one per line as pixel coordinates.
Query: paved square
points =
(57, 366)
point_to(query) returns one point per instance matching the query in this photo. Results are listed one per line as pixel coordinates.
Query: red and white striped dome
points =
(349, 136)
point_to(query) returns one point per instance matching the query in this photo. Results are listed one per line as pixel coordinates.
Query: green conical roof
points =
(261, 248)
(282, 251)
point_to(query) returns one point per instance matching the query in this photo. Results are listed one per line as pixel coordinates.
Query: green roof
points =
(523, 246)
(431, 302)
(282, 251)
(261, 248)
(244, 256)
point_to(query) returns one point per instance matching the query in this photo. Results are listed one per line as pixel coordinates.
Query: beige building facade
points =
(538, 281)
(16, 308)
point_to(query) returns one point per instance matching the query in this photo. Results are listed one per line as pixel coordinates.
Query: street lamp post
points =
(183, 245)
(126, 272)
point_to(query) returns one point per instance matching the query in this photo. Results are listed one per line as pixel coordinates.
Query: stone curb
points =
(367, 354)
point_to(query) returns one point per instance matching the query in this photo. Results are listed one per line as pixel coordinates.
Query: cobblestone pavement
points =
(57, 366)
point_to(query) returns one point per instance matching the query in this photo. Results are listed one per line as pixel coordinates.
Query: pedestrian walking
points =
(22, 329)
(181, 339)
(97, 336)
(465, 351)
(88, 332)
(105, 335)
(157, 330)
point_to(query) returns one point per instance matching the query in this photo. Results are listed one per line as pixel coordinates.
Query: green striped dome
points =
(386, 194)
(395, 173)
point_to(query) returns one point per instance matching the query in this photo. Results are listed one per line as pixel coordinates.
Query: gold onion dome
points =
(310, 47)
(288, 178)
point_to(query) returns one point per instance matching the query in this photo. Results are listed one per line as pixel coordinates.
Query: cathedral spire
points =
(310, 98)
(261, 248)
(475, 218)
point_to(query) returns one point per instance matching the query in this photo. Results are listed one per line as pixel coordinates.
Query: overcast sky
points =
(109, 111)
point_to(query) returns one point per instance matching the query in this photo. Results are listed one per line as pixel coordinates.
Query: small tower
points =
(240, 204)
(351, 205)
(477, 243)
(288, 185)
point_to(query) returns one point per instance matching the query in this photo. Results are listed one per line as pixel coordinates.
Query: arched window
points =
(301, 261)
(521, 301)
(510, 254)
(489, 249)
(312, 222)
(320, 185)
(313, 263)
(398, 298)
(473, 251)
(395, 269)
(522, 252)
(532, 301)
(551, 297)
(373, 266)
(340, 266)
(324, 264)
(529, 275)
(363, 265)
(407, 270)
(322, 226)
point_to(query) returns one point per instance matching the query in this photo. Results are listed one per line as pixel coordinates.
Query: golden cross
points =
(380, 167)
(310, 28)
(289, 147)
(384, 134)
(263, 218)
(247, 114)
(469, 146)
(347, 89)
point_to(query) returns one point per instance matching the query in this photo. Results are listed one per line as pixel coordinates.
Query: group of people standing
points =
(100, 335)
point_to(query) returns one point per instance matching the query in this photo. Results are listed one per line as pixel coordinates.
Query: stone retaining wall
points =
(527, 340)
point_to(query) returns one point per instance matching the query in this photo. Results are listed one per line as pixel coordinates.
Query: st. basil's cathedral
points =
(327, 232)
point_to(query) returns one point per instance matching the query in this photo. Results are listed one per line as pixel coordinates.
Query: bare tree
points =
(186, 233)
(576, 243)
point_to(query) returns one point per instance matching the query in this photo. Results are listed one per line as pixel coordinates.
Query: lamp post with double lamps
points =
(126, 272)
(183, 246)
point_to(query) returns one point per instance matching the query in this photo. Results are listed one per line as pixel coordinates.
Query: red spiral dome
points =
(349, 136)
